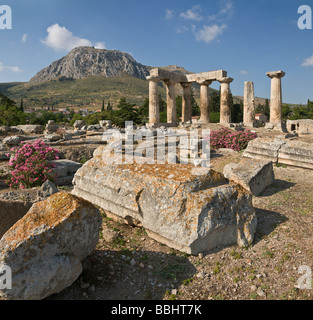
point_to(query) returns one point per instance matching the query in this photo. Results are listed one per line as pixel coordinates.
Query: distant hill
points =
(86, 77)
(83, 62)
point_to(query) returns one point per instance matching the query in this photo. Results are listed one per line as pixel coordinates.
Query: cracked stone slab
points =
(190, 209)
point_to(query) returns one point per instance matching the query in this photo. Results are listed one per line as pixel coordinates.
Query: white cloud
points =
(225, 12)
(227, 7)
(243, 72)
(61, 39)
(24, 38)
(209, 33)
(14, 69)
(100, 45)
(169, 14)
(308, 62)
(181, 29)
(193, 14)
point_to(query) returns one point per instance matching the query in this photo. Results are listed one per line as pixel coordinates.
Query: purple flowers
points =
(30, 165)
(225, 138)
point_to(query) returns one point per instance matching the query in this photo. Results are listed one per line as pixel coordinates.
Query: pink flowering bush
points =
(31, 165)
(226, 138)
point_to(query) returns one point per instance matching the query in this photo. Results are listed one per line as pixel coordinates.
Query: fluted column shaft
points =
(249, 104)
(225, 108)
(154, 108)
(204, 101)
(276, 96)
(171, 102)
(186, 102)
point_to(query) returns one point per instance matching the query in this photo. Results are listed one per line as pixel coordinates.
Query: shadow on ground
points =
(268, 221)
(125, 275)
(277, 186)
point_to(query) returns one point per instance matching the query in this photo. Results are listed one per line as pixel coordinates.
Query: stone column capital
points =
(153, 78)
(169, 82)
(276, 74)
(225, 80)
(185, 85)
(204, 82)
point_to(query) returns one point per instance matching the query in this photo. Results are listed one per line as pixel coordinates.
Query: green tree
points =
(102, 108)
(237, 112)
(214, 102)
(143, 111)
(6, 102)
(10, 115)
(109, 107)
(195, 109)
(126, 112)
(264, 108)
(179, 106)
(286, 112)
(22, 106)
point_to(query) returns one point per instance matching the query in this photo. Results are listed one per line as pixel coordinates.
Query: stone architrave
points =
(154, 108)
(171, 102)
(225, 109)
(249, 105)
(276, 96)
(204, 101)
(186, 102)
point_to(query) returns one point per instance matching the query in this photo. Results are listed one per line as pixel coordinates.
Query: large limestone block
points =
(264, 149)
(297, 154)
(46, 247)
(65, 170)
(254, 175)
(31, 128)
(289, 152)
(192, 210)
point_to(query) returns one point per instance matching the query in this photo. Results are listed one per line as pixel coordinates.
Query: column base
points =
(280, 126)
(159, 125)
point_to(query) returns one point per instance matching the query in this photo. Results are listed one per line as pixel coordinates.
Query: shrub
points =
(226, 138)
(31, 165)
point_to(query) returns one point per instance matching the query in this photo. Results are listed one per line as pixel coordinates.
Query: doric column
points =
(204, 100)
(276, 96)
(249, 105)
(186, 102)
(154, 108)
(225, 108)
(171, 101)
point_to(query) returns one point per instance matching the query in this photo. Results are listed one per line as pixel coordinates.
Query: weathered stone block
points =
(45, 248)
(190, 209)
(29, 128)
(264, 149)
(254, 175)
(297, 154)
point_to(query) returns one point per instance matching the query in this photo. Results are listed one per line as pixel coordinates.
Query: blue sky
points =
(245, 38)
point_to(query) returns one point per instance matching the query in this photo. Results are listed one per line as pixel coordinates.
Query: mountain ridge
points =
(82, 62)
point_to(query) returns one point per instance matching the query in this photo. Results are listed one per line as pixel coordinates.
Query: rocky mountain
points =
(82, 62)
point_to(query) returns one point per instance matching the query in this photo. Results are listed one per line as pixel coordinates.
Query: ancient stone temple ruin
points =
(204, 79)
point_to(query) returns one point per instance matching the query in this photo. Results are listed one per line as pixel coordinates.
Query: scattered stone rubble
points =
(183, 204)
